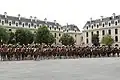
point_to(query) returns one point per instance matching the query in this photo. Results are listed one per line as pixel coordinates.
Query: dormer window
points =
(109, 24)
(59, 29)
(23, 25)
(13, 22)
(2, 22)
(116, 23)
(38, 25)
(31, 24)
(6, 21)
(97, 25)
(16, 24)
(87, 27)
(26, 24)
(54, 28)
(19, 23)
(9, 23)
(92, 26)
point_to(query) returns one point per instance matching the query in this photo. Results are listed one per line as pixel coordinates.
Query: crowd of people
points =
(38, 52)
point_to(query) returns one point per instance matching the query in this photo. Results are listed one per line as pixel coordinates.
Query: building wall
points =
(112, 27)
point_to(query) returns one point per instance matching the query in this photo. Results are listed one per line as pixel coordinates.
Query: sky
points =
(76, 12)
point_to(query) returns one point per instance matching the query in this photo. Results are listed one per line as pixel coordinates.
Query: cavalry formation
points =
(36, 52)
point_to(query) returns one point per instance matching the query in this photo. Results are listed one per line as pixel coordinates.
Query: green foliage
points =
(43, 35)
(24, 36)
(3, 35)
(51, 39)
(67, 40)
(95, 40)
(107, 40)
(11, 38)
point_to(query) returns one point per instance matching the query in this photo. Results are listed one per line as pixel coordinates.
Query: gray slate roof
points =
(71, 27)
(106, 20)
(26, 20)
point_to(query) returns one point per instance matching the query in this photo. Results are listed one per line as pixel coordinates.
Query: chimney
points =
(90, 19)
(101, 18)
(5, 13)
(113, 15)
(35, 18)
(31, 18)
(19, 16)
(55, 21)
(45, 20)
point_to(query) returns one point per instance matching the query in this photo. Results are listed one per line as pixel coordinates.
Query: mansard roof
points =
(72, 27)
(106, 20)
(27, 20)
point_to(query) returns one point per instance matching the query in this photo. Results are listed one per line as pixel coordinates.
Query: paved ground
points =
(79, 69)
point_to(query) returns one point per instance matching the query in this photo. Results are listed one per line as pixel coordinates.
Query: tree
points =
(95, 40)
(24, 36)
(11, 38)
(3, 35)
(67, 40)
(107, 40)
(43, 35)
(51, 39)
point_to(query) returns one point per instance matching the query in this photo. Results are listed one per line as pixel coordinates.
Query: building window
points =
(97, 26)
(59, 40)
(54, 28)
(86, 34)
(37, 25)
(103, 25)
(116, 31)
(29, 25)
(19, 23)
(92, 33)
(10, 30)
(59, 29)
(23, 25)
(86, 40)
(9, 23)
(103, 32)
(75, 35)
(116, 38)
(109, 32)
(59, 34)
(16, 24)
(67, 30)
(50, 28)
(116, 23)
(98, 33)
(92, 26)
(55, 35)
(109, 24)
(87, 27)
(2, 22)
(34, 26)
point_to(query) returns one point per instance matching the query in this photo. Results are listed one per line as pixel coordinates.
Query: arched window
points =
(9, 23)
(23, 25)
(109, 24)
(103, 25)
(116, 23)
